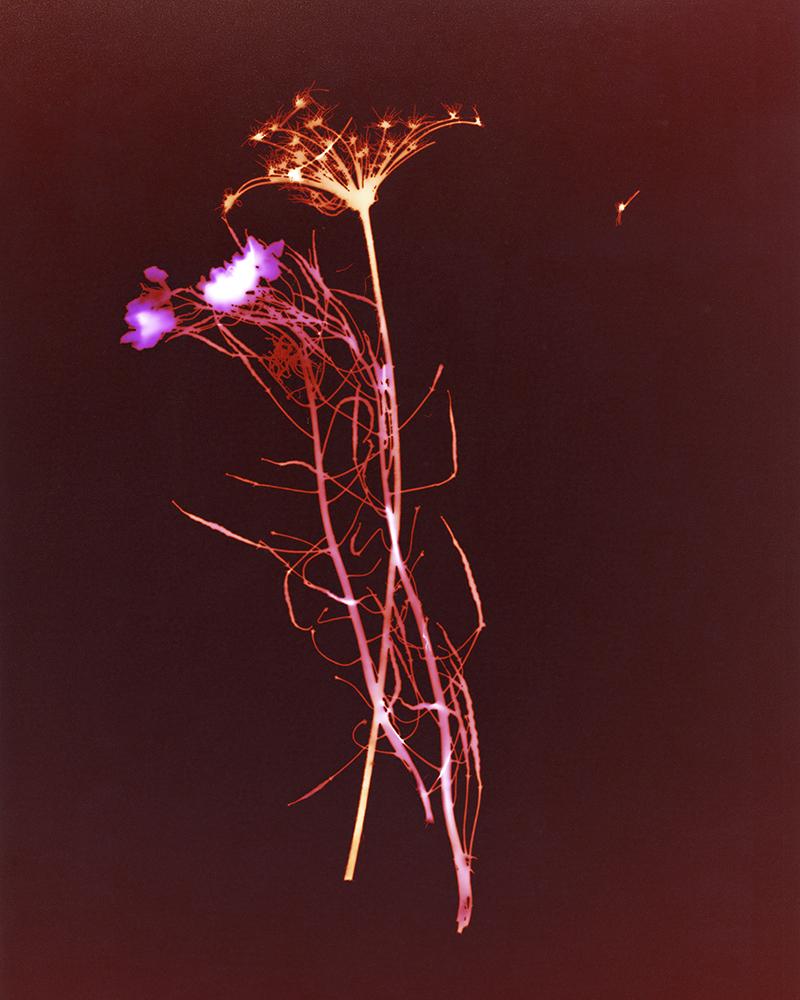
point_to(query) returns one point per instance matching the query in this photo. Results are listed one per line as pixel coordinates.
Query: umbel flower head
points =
(331, 168)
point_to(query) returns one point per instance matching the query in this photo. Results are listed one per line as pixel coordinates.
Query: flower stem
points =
(390, 463)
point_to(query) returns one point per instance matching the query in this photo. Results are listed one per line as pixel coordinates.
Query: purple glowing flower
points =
(230, 285)
(150, 315)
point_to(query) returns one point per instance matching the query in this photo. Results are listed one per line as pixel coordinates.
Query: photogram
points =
(324, 356)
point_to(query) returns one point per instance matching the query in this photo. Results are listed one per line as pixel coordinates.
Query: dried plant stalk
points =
(308, 347)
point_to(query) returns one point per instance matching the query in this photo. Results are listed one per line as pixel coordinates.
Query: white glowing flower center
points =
(229, 286)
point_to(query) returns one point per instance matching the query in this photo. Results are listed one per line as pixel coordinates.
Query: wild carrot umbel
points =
(310, 349)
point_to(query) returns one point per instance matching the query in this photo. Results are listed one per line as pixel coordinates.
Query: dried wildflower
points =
(332, 375)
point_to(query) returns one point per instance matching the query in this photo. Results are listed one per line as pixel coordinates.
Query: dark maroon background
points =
(628, 409)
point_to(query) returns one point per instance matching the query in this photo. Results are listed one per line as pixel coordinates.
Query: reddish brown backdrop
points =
(628, 412)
